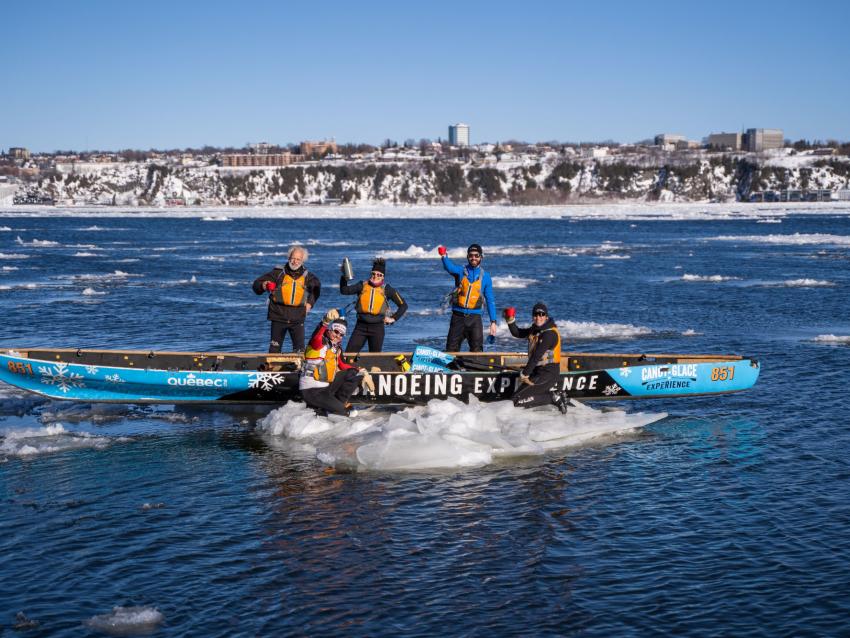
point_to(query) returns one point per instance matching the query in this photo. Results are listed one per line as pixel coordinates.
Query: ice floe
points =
(796, 239)
(512, 281)
(707, 278)
(442, 434)
(127, 621)
(837, 339)
(30, 442)
(37, 243)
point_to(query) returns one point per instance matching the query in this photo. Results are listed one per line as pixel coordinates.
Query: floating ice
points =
(797, 239)
(843, 339)
(690, 332)
(8, 268)
(709, 278)
(215, 218)
(593, 330)
(807, 283)
(13, 256)
(85, 254)
(512, 281)
(30, 442)
(580, 330)
(39, 243)
(443, 433)
(92, 291)
(118, 274)
(4, 229)
(127, 621)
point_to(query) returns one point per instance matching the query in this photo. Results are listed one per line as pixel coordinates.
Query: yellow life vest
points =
(467, 295)
(550, 356)
(373, 300)
(320, 364)
(291, 291)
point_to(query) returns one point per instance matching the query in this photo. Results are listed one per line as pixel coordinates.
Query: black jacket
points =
(279, 311)
(548, 341)
(392, 295)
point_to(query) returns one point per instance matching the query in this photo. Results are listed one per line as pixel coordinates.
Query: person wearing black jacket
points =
(373, 311)
(539, 378)
(292, 291)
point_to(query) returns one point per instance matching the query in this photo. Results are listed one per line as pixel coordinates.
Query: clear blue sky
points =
(155, 74)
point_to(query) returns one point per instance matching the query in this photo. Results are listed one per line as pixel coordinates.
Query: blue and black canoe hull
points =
(182, 377)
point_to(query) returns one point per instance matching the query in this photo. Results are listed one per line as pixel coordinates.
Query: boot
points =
(561, 400)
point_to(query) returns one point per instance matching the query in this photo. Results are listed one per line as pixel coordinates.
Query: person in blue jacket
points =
(473, 288)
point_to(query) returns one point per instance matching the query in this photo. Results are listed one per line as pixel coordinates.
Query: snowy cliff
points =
(549, 180)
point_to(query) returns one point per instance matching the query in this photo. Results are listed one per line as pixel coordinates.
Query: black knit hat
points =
(475, 248)
(540, 306)
(379, 265)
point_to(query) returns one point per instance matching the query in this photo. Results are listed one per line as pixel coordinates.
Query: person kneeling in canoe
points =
(373, 311)
(539, 378)
(327, 381)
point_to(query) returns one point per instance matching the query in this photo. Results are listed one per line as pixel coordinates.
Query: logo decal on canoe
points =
(197, 382)
(61, 377)
(670, 376)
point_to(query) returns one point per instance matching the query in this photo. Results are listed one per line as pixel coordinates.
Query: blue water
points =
(731, 517)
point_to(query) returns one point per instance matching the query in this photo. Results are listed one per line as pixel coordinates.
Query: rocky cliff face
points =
(547, 181)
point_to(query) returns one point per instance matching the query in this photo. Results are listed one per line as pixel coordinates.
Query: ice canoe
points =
(135, 376)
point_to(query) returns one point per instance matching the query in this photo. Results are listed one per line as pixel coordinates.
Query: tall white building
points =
(762, 139)
(459, 135)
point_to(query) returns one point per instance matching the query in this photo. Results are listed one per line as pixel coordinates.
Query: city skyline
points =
(158, 75)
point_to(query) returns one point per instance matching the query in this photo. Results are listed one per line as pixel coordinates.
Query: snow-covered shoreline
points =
(636, 211)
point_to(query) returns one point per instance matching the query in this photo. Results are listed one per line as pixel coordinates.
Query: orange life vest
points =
(291, 291)
(373, 300)
(320, 364)
(550, 356)
(467, 295)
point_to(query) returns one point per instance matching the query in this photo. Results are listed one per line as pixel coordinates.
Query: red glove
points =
(270, 286)
(441, 250)
(509, 313)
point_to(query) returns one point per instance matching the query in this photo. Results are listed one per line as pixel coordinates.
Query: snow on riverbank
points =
(614, 211)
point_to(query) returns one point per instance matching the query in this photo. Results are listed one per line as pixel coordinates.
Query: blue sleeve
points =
(452, 268)
(487, 289)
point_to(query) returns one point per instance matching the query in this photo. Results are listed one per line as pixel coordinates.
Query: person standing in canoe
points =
(327, 381)
(373, 311)
(292, 291)
(539, 378)
(473, 288)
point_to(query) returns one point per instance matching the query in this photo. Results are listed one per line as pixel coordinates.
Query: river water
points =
(721, 516)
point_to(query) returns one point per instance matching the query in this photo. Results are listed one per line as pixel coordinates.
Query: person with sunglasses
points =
(327, 381)
(542, 372)
(473, 288)
(292, 292)
(373, 311)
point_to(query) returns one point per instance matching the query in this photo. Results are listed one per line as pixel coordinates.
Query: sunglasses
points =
(377, 275)
(473, 256)
(539, 313)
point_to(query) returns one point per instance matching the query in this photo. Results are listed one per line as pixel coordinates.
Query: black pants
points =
(545, 380)
(467, 327)
(279, 330)
(363, 332)
(332, 399)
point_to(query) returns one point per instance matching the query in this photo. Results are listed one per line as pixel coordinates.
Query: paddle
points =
(427, 359)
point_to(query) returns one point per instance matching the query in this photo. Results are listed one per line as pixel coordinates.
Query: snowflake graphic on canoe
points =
(625, 371)
(113, 378)
(58, 375)
(611, 390)
(92, 369)
(265, 380)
